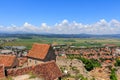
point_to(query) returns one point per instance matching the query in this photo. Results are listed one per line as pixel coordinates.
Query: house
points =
(22, 61)
(5, 51)
(19, 50)
(40, 53)
(19, 47)
(9, 61)
(110, 45)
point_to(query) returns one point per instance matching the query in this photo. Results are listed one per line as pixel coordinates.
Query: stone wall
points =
(49, 70)
(20, 71)
(2, 73)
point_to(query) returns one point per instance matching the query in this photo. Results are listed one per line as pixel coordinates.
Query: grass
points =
(32, 76)
(8, 78)
(87, 42)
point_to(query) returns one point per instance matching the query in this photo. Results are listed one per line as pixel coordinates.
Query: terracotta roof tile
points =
(7, 60)
(110, 45)
(50, 70)
(108, 61)
(39, 51)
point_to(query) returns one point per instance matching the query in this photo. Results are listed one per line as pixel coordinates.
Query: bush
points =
(117, 62)
(90, 64)
(113, 75)
(73, 56)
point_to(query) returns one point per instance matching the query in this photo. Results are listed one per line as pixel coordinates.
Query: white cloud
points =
(44, 27)
(66, 27)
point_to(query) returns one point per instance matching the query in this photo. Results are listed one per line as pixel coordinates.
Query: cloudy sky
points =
(60, 16)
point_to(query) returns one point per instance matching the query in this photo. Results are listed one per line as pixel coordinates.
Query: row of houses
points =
(40, 54)
(43, 54)
(103, 54)
(19, 51)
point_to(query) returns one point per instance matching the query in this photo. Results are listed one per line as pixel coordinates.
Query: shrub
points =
(90, 64)
(113, 75)
(117, 62)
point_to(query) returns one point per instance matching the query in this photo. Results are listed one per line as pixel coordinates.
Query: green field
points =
(87, 42)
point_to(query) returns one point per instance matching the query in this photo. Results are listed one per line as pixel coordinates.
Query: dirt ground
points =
(26, 77)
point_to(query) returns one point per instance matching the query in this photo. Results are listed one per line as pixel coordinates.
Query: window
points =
(29, 60)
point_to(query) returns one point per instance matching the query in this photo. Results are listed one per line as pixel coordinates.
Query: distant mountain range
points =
(59, 35)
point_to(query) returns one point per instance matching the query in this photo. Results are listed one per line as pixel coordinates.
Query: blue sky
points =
(49, 12)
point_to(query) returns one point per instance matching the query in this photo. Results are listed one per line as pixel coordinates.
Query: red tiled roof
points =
(7, 60)
(108, 61)
(39, 51)
(110, 45)
(50, 70)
